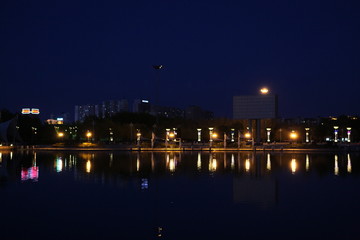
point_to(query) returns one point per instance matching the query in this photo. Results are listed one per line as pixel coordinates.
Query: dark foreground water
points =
(124, 195)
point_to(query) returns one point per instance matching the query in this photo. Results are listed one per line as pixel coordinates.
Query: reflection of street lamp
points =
(336, 133)
(88, 135)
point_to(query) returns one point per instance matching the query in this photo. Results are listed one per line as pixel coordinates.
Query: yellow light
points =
(88, 134)
(138, 134)
(60, 134)
(293, 135)
(264, 90)
(171, 135)
(88, 166)
(247, 135)
(293, 165)
(214, 135)
(247, 165)
(172, 165)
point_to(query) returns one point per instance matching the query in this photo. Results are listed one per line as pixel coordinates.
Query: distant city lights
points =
(26, 111)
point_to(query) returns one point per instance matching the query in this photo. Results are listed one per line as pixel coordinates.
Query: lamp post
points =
(88, 135)
(307, 138)
(293, 136)
(199, 134)
(336, 133)
(167, 137)
(138, 137)
(348, 133)
(232, 135)
(268, 131)
(211, 129)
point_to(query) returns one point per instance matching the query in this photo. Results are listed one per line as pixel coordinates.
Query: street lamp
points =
(348, 133)
(199, 134)
(88, 135)
(60, 134)
(264, 90)
(293, 136)
(138, 137)
(268, 131)
(307, 139)
(211, 129)
(336, 132)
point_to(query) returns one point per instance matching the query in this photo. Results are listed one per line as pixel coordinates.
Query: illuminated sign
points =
(35, 111)
(32, 111)
(26, 111)
(60, 119)
(145, 101)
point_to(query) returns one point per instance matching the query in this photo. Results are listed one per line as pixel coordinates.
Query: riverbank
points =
(346, 148)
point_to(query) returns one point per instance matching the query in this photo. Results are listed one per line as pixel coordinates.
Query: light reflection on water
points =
(180, 188)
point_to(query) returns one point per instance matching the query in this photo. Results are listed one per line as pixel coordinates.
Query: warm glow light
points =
(171, 135)
(212, 165)
(214, 135)
(60, 134)
(293, 135)
(199, 162)
(307, 164)
(348, 163)
(247, 165)
(336, 167)
(293, 165)
(88, 166)
(264, 90)
(88, 134)
(268, 162)
(232, 161)
(172, 165)
(247, 135)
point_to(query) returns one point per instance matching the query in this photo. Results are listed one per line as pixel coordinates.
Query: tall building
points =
(197, 113)
(83, 111)
(123, 105)
(141, 106)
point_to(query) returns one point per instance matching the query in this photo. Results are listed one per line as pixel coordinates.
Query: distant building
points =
(83, 111)
(141, 106)
(197, 113)
(255, 107)
(123, 105)
(167, 112)
(64, 117)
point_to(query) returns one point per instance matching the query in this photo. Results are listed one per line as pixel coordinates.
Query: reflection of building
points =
(255, 190)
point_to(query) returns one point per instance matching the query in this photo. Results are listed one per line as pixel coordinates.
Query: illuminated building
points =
(141, 106)
(83, 111)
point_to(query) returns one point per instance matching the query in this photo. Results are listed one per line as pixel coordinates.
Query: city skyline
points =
(58, 54)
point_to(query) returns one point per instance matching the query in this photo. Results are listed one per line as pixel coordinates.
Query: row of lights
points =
(213, 135)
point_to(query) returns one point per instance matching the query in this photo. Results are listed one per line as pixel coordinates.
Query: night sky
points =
(57, 54)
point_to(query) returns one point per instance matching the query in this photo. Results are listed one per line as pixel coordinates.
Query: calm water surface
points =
(129, 195)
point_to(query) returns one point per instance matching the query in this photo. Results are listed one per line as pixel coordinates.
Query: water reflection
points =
(145, 164)
(348, 163)
(336, 167)
(293, 165)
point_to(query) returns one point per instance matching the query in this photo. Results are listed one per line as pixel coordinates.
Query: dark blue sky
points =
(56, 54)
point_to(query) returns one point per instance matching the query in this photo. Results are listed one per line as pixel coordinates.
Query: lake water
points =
(192, 195)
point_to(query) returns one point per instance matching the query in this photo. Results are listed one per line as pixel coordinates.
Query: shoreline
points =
(183, 149)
